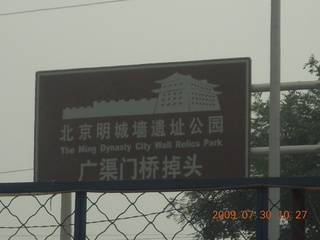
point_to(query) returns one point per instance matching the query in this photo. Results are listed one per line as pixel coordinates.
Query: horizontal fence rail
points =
(173, 209)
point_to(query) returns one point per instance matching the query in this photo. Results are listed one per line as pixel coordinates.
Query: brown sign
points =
(184, 120)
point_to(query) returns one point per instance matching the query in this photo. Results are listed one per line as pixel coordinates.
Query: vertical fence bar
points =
(298, 222)
(262, 205)
(80, 216)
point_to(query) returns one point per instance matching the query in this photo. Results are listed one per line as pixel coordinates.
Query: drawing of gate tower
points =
(182, 93)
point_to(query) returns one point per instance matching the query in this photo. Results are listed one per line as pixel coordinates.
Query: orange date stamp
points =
(249, 214)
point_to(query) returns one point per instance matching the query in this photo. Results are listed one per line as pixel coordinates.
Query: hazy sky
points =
(134, 32)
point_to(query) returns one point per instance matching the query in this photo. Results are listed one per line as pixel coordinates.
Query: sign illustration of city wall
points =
(178, 93)
(144, 122)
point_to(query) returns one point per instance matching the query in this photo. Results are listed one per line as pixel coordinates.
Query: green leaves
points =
(314, 66)
(300, 125)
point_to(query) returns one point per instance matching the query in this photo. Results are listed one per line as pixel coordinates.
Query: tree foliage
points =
(313, 65)
(300, 125)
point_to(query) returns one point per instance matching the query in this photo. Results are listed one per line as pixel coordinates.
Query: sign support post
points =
(65, 219)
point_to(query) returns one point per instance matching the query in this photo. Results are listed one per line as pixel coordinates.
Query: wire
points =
(20, 170)
(57, 8)
(150, 236)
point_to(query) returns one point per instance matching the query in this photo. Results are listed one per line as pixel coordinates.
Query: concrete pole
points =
(65, 219)
(274, 131)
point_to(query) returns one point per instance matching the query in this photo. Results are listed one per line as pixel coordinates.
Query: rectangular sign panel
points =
(185, 120)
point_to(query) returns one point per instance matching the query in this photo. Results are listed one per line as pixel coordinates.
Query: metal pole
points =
(65, 219)
(274, 131)
(298, 221)
(294, 149)
(265, 87)
(262, 205)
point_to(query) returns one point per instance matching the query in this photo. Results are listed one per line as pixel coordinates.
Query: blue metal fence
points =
(247, 196)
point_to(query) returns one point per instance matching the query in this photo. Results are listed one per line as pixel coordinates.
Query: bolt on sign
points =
(186, 120)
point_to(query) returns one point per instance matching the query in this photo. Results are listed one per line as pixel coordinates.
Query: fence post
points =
(298, 205)
(262, 205)
(80, 216)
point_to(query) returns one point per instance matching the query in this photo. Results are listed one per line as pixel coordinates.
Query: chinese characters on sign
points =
(147, 167)
(102, 130)
(183, 120)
